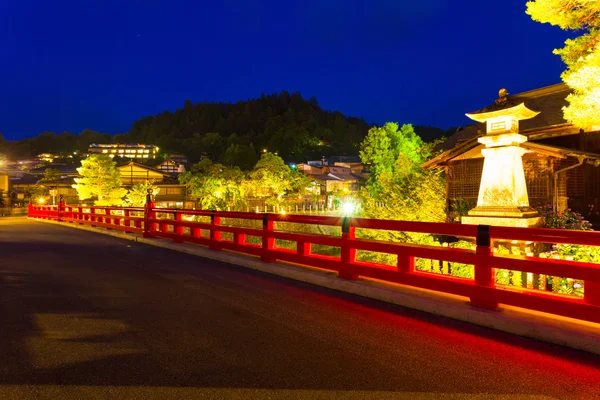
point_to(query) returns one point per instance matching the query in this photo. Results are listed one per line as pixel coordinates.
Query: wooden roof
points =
(549, 101)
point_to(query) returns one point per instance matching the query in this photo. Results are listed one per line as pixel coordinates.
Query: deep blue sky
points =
(101, 64)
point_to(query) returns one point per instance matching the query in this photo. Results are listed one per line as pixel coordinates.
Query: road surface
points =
(84, 315)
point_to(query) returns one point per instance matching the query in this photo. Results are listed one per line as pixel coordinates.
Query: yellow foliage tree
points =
(581, 55)
(100, 179)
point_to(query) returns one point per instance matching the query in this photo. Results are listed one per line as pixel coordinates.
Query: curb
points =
(567, 332)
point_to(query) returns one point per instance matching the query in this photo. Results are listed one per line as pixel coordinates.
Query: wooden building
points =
(561, 162)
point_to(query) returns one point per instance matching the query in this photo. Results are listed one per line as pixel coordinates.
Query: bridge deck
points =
(84, 315)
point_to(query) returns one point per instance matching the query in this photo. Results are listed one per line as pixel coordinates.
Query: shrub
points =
(567, 219)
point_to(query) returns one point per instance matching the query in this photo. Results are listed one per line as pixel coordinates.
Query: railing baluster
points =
(126, 221)
(348, 252)
(303, 248)
(107, 220)
(178, 228)
(268, 243)
(215, 235)
(484, 275)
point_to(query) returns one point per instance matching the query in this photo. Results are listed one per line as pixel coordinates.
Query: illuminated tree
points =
(271, 179)
(50, 175)
(136, 196)
(581, 55)
(399, 188)
(215, 186)
(100, 179)
(383, 146)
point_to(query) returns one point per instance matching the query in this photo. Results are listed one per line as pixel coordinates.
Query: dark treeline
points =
(50, 142)
(232, 134)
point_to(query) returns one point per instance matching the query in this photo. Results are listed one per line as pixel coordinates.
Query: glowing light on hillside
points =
(41, 200)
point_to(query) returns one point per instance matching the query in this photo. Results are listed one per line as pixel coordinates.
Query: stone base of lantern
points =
(504, 216)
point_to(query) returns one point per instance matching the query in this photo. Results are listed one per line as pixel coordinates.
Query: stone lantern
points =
(503, 199)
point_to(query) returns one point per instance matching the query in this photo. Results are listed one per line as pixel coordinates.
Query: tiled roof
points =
(549, 101)
(62, 168)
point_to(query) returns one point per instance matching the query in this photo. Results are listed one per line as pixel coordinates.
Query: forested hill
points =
(232, 134)
(294, 127)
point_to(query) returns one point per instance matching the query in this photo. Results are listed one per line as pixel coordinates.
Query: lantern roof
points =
(504, 106)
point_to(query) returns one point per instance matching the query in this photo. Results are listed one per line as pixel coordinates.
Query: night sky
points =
(102, 64)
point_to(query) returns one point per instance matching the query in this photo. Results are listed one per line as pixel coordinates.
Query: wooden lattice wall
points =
(464, 177)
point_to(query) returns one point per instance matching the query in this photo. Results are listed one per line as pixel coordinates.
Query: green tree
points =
(271, 178)
(136, 196)
(241, 156)
(101, 180)
(50, 175)
(383, 146)
(215, 186)
(581, 55)
(399, 188)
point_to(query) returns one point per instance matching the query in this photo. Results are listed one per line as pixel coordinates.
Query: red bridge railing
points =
(181, 225)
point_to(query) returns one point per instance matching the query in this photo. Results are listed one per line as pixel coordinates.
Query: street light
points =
(41, 200)
(348, 208)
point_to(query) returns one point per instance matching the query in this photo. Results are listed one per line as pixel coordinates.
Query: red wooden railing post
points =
(484, 275)
(80, 215)
(268, 243)
(61, 209)
(30, 211)
(107, 219)
(591, 292)
(163, 226)
(126, 215)
(406, 263)
(116, 220)
(178, 228)
(138, 223)
(215, 236)
(196, 232)
(303, 248)
(348, 252)
(149, 227)
(239, 238)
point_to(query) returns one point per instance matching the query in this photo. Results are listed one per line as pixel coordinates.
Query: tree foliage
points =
(271, 179)
(581, 55)
(215, 186)
(399, 188)
(287, 123)
(136, 196)
(383, 146)
(50, 175)
(101, 180)
(65, 143)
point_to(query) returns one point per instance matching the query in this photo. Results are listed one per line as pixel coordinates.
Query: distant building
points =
(178, 158)
(342, 159)
(170, 192)
(50, 157)
(135, 151)
(64, 170)
(334, 178)
(170, 166)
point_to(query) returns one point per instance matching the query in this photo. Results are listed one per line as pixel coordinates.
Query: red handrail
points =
(482, 290)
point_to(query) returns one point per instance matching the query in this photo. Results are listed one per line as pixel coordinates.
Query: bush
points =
(567, 219)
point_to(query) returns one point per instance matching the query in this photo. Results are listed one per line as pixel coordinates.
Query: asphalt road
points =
(84, 315)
